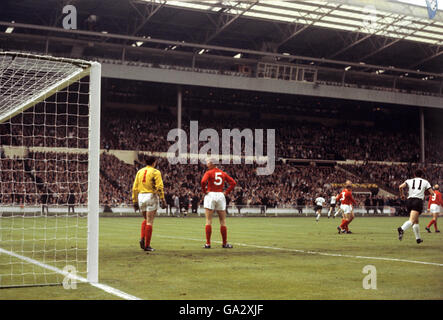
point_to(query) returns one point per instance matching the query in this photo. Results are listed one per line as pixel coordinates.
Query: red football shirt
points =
(436, 198)
(214, 180)
(346, 197)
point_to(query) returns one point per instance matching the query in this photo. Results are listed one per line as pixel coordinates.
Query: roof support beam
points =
(389, 42)
(226, 19)
(380, 46)
(298, 30)
(438, 51)
(151, 9)
(98, 35)
(355, 39)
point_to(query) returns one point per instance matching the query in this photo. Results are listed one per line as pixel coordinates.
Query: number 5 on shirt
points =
(218, 179)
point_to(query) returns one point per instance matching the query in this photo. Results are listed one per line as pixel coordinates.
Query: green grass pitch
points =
(281, 258)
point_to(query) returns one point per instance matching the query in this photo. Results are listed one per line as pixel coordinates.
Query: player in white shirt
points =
(417, 187)
(319, 202)
(332, 204)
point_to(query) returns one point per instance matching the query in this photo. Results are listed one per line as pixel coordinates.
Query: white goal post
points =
(49, 168)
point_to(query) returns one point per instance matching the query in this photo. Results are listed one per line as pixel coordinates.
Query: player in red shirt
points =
(435, 205)
(346, 206)
(212, 186)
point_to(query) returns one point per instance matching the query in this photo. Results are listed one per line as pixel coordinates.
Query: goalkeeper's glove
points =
(136, 207)
(163, 204)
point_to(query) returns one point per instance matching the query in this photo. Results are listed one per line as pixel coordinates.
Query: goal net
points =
(49, 169)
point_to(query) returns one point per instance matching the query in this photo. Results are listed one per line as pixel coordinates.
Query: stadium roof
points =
(394, 35)
(328, 14)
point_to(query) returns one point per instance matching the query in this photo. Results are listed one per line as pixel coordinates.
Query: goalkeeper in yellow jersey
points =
(146, 191)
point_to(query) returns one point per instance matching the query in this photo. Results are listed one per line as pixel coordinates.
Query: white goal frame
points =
(93, 70)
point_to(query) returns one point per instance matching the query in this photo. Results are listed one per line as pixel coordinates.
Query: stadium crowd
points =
(390, 175)
(26, 180)
(148, 132)
(48, 125)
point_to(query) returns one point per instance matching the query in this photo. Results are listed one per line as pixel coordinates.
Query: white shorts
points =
(435, 208)
(147, 202)
(215, 201)
(347, 208)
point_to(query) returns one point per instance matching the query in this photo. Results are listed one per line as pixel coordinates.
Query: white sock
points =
(416, 229)
(406, 225)
(336, 213)
(318, 216)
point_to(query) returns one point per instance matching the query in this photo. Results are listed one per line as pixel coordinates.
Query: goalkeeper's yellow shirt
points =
(147, 180)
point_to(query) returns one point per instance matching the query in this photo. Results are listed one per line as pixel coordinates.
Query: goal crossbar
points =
(84, 69)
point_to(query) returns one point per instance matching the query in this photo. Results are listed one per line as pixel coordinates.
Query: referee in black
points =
(71, 201)
(45, 199)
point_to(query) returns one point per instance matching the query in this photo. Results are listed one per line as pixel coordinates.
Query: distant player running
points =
(435, 205)
(319, 202)
(417, 188)
(332, 204)
(147, 188)
(346, 207)
(212, 186)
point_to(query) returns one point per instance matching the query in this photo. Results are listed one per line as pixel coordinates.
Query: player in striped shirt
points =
(146, 191)
(417, 188)
(212, 186)
(435, 205)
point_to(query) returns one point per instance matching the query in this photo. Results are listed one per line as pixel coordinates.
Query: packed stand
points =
(148, 132)
(391, 176)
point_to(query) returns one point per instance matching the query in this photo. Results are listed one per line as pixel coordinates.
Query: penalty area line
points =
(318, 253)
(69, 275)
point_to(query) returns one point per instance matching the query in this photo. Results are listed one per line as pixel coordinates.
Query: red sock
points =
(142, 232)
(208, 230)
(435, 225)
(347, 224)
(431, 223)
(344, 224)
(148, 235)
(224, 233)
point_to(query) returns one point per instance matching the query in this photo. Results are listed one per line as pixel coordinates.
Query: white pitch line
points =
(100, 286)
(318, 253)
